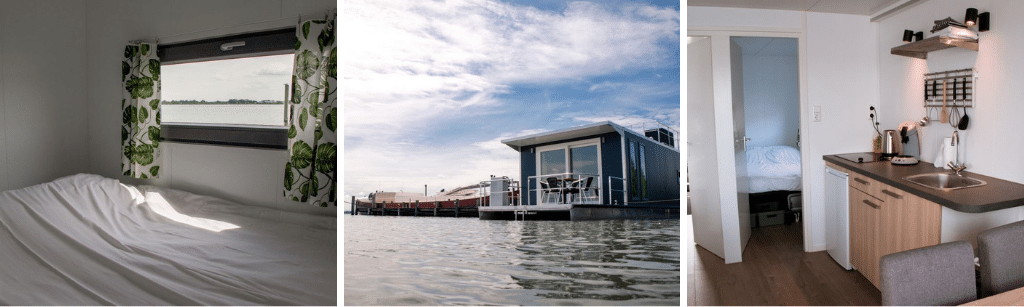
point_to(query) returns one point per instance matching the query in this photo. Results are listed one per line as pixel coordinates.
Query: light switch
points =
(817, 113)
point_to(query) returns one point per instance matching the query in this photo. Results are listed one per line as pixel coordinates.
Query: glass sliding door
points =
(552, 162)
(585, 164)
(566, 164)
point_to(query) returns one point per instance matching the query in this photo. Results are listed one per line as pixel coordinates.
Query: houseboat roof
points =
(599, 128)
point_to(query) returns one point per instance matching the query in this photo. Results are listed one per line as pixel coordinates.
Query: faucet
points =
(956, 167)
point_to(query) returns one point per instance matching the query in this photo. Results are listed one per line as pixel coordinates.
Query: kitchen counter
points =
(995, 195)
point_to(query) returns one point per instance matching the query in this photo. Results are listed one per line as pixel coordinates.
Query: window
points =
(634, 174)
(637, 173)
(643, 174)
(552, 162)
(580, 159)
(229, 90)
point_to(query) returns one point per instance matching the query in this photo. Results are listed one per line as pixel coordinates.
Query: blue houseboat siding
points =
(652, 172)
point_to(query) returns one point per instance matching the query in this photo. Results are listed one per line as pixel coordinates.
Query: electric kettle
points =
(892, 144)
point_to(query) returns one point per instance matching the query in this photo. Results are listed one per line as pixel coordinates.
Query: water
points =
(249, 114)
(466, 261)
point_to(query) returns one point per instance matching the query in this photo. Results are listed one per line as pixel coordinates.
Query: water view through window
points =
(245, 91)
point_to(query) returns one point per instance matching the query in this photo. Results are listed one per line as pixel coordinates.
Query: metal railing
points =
(611, 191)
(563, 182)
(511, 194)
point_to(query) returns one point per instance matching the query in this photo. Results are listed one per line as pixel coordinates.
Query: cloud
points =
(275, 69)
(605, 86)
(425, 56)
(413, 68)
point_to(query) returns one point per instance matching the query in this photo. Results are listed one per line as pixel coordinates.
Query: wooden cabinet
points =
(865, 215)
(885, 220)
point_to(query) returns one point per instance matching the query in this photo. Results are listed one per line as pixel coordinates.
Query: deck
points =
(576, 212)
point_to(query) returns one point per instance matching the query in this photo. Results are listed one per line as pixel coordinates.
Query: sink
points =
(944, 181)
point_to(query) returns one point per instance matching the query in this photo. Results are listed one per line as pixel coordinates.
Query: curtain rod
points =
(156, 39)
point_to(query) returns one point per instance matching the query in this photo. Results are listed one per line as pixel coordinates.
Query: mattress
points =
(773, 168)
(90, 240)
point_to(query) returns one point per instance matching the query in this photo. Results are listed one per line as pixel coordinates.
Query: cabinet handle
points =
(862, 181)
(871, 204)
(893, 194)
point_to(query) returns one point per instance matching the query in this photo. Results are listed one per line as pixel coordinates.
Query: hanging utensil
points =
(944, 114)
(955, 118)
(964, 120)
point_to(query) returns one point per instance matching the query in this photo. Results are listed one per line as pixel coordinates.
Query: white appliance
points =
(837, 215)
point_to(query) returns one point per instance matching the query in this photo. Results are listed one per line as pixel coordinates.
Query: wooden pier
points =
(449, 208)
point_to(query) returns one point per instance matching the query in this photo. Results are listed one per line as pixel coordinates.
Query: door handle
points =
(871, 204)
(861, 181)
(893, 194)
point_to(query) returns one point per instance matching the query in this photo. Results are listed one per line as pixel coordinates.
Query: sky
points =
(256, 78)
(432, 87)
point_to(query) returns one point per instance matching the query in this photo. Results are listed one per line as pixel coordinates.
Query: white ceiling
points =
(767, 46)
(854, 7)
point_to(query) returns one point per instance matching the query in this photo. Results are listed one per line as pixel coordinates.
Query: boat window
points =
(584, 160)
(643, 174)
(246, 91)
(552, 162)
(228, 90)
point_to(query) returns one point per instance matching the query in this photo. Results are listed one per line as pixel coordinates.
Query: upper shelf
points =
(921, 48)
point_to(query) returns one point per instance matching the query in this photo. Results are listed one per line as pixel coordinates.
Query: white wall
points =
(42, 92)
(992, 144)
(771, 96)
(248, 176)
(841, 62)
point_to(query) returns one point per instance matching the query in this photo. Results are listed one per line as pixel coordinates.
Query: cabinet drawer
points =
(867, 185)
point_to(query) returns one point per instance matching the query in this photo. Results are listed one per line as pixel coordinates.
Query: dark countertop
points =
(997, 194)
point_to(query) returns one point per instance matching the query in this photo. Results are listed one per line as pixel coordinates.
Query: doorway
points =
(771, 100)
(718, 136)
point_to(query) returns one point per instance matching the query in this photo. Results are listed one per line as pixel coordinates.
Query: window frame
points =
(567, 148)
(261, 43)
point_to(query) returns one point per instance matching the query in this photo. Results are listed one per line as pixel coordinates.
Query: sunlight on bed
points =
(159, 205)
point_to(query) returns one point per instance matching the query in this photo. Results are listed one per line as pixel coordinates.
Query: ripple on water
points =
(445, 261)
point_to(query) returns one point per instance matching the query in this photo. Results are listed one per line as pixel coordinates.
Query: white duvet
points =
(773, 168)
(89, 240)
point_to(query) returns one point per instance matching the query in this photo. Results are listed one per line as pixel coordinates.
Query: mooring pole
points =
(456, 208)
(416, 212)
(353, 203)
(436, 204)
(373, 205)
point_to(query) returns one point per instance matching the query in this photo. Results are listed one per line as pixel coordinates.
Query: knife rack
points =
(964, 91)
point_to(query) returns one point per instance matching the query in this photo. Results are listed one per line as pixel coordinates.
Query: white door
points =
(701, 153)
(739, 123)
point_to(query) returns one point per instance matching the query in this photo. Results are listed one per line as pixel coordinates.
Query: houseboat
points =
(595, 171)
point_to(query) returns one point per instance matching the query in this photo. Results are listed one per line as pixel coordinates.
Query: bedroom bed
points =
(773, 168)
(774, 174)
(89, 240)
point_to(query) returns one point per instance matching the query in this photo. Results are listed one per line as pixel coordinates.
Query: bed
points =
(773, 168)
(774, 174)
(89, 240)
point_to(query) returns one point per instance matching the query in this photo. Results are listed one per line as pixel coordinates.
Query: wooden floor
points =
(775, 271)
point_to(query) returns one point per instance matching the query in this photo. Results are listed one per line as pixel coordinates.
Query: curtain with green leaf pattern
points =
(140, 109)
(311, 172)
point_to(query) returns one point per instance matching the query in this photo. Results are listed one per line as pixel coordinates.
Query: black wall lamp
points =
(972, 18)
(983, 22)
(910, 36)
